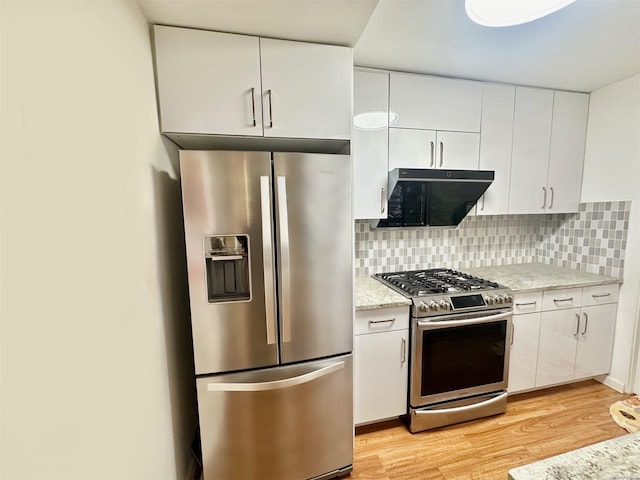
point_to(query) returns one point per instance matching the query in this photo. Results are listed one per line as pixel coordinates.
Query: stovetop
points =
(417, 283)
(438, 290)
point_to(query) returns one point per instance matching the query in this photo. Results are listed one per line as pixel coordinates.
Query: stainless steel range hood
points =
(422, 197)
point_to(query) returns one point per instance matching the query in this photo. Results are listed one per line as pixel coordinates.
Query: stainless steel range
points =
(460, 331)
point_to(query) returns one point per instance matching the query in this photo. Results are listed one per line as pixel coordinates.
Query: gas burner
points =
(421, 283)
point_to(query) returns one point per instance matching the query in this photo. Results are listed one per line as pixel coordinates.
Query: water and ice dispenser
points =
(227, 266)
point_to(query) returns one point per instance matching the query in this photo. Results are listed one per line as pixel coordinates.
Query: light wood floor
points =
(537, 425)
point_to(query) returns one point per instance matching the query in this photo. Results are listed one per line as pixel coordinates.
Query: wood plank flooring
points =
(537, 425)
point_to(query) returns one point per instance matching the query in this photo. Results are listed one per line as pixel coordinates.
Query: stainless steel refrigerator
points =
(269, 259)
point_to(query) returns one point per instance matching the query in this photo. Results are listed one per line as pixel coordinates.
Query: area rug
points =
(626, 413)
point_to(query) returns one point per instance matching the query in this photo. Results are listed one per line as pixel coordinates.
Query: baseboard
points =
(611, 382)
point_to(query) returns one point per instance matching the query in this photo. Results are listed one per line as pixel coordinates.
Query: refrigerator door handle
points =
(277, 384)
(267, 258)
(285, 273)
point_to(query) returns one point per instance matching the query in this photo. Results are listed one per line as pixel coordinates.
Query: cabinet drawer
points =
(381, 320)
(561, 299)
(600, 294)
(527, 302)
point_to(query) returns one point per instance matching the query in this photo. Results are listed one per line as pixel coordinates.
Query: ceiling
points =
(583, 47)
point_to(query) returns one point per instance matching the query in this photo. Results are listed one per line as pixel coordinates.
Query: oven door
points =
(457, 356)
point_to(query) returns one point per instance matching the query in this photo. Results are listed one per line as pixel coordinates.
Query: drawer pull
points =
(600, 295)
(558, 300)
(526, 304)
(375, 322)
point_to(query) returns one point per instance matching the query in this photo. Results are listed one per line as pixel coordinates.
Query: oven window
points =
(462, 357)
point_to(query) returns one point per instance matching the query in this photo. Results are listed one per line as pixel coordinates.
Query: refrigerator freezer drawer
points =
(291, 422)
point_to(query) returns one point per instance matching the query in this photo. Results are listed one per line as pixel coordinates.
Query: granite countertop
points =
(531, 277)
(370, 293)
(523, 277)
(618, 458)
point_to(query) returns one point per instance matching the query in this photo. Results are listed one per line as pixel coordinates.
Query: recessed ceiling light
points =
(504, 13)
(374, 120)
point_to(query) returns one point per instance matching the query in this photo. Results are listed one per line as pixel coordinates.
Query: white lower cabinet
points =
(557, 349)
(381, 359)
(561, 336)
(524, 352)
(576, 334)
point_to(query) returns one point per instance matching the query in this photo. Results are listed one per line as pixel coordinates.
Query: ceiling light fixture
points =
(374, 120)
(504, 13)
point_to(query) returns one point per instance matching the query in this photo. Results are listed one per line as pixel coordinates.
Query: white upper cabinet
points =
(212, 83)
(566, 155)
(435, 103)
(530, 157)
(410, 148)
(370, 144)
(208, 82)
(306, 89)
(495, 146)
(548, 151)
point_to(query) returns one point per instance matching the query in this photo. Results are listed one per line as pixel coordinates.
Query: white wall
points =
(612, 172)
(96, 374)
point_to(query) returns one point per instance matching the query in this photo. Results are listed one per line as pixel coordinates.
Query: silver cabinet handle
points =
(433, 158)
(551, 202)
(374, 322)
(222, 258)
(600, 295)
(526, 304)
(270, 109)
(277, 384)
(558, 300)
(544, 201)
(285, 262)
(577, 325)
(253, 105)
(267, 258)
(383, 200)
(403, 352)
(586, 323)
(482, 208)
(441, 153)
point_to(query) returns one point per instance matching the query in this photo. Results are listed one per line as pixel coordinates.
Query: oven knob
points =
(444, 305)
(499, 299)
(433, 305)
(423, 307)
(489, 300)
(508, 298)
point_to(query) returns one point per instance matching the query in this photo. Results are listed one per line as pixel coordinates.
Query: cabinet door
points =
(410, 148)
(457, 150)
(557, 348)
(566, 155)
(435, 103)
(496, 134)
(524, 352)
(530, 158)
(380, 375)
(370, 146)
(208, 82)
(595, 340)
(306, 89)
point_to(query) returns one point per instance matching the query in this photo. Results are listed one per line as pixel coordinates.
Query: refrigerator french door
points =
(269, 260)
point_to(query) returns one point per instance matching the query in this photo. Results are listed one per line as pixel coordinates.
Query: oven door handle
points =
(473, 406)
(466, 321)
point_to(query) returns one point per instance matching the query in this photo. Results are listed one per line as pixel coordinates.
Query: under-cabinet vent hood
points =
(422, 197)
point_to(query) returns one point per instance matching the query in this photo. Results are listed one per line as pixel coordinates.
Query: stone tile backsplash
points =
(592, 240)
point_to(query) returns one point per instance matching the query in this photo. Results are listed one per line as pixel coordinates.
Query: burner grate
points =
(418, 283)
